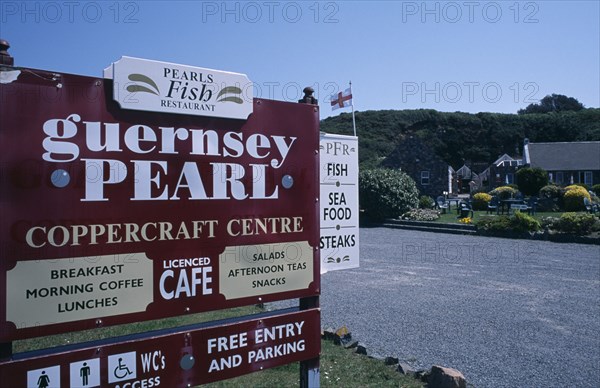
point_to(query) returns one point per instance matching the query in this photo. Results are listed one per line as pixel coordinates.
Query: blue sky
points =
(470, 56)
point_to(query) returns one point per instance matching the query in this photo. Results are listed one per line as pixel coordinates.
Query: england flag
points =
(341, 99)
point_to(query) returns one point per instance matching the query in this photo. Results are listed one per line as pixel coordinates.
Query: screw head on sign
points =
(60, 178)
(187, 362)
(287, 181)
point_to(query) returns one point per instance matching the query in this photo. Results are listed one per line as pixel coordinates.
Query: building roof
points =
(503, 158)
(561, 156)
(506, 160)
(464, 171)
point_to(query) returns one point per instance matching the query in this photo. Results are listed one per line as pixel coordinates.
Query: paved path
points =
(507, 313)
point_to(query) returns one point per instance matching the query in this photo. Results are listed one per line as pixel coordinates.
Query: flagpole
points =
(353, 120)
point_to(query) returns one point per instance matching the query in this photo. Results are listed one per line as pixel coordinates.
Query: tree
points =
(386, 193)
(553, 103)
(455, 136)
(531, 180)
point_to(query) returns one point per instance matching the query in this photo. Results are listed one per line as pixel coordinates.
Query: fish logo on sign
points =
(222, 96)
(149, 86)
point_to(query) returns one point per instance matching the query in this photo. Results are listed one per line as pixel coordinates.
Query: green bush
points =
(519, 222)
(504, 192)
(574, 196)
(551, 198)
(426, 202)
(386, 193)
(481, 200)
(494, 225)
(596, 189)
(549, 223)
(531, 180)
(577, 223)
(421, 215)
(552, 191)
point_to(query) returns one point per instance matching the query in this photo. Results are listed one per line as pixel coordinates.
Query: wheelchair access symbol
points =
(122, 367)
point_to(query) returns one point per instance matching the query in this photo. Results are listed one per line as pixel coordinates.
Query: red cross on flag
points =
(341, 99)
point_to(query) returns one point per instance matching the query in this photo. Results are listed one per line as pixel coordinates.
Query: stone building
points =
(432, 175)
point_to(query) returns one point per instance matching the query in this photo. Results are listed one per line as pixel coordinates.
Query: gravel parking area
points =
(506, 313)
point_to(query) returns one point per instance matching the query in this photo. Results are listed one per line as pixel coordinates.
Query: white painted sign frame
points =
(339, 209)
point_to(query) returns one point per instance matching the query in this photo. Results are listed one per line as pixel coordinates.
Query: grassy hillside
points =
(458, 136)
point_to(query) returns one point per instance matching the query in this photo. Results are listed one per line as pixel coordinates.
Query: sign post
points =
(113, 215)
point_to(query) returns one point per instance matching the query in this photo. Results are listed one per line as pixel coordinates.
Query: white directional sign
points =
(339, 202)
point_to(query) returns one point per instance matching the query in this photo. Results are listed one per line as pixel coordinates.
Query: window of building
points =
(560, 178)
(510, 178)
(588, 178)
(550, 177)
(424, 178)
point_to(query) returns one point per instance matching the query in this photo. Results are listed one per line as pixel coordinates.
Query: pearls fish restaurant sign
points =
(111, 215)
(141, 84)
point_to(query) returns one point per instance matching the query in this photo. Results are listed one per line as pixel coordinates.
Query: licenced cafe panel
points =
(113, 216)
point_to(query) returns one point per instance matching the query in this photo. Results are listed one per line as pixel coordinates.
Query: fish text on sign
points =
(337, 169)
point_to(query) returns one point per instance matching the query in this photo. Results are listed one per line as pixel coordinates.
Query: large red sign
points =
(113, 216)
(185, 358)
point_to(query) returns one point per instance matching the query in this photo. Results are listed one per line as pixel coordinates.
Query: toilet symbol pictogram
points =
(85, 373)
(43, 380)
(121, 371)
(122, 367)
(48, 377)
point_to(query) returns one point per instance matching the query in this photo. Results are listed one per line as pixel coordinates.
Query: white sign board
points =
(146, 85)
(339, 202)
(65, 290)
